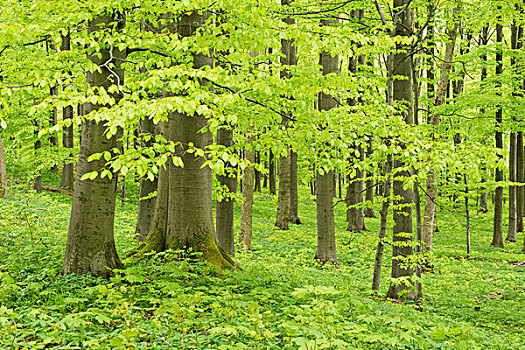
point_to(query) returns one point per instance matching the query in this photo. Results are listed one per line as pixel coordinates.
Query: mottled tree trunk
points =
(497, 237)
(294, 195)
(245, 232)
(224, 208)
(90, 243)
(146, 205)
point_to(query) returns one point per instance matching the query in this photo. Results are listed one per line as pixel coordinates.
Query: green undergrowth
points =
(282, 298)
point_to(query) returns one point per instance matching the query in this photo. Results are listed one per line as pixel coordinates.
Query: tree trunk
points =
(90, 243)
(402, 230)
(224, 208)
(37, 183)
(245, 232)
(283, 201)
(257, 185)
(288, 58)
(369, 194)
(324, 181)
(294, 195)
(146, 205)
(431, 186)
(271, 174)
(511, 232)
(520, 177)
(3, 171)
(378, 262)
(68, 176)
(497, 238)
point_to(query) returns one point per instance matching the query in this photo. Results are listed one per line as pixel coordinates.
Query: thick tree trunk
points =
(283, 201)
(3, 171)
(90, 243)
(294, 195)
(224, 208)
(497, 237)
(324, 182)
(245, 232)
(146, 205)
(326, 247)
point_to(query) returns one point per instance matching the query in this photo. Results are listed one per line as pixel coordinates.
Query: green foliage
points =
(282, 299)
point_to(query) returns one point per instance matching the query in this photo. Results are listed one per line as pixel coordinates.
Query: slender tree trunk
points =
(369, 194)
(68, 176)
(146, 205)
(467, 213)
(245, 232)
(402, 230)
(497, 238)
(378, 262)
(511, 232)
(431, 186)
(257, 185)
(294, 195)
(3, 171)
(224, 208)
(283, 200)
(520, 178)
(271, 174)
(90, 243)
(37, 182)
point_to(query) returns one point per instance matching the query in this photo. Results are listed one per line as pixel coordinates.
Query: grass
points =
(282, 299)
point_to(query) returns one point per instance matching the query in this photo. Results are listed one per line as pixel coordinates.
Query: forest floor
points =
(282, 298)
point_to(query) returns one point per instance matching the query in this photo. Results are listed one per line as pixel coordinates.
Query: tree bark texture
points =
(146, 206)
(324, 181)
(271, 173)
(90, 243)
(378, 262)
(402, 230)
(369, 194)
(283, 200)
(431, 186)
(294, 195)
(37, 183)
(355, 215)
(68, 176)
(497, 237)
(520, 178)
(224, 208)
(511, 231)
(245, 232)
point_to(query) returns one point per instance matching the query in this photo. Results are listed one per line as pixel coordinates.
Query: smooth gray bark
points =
(90, 243)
